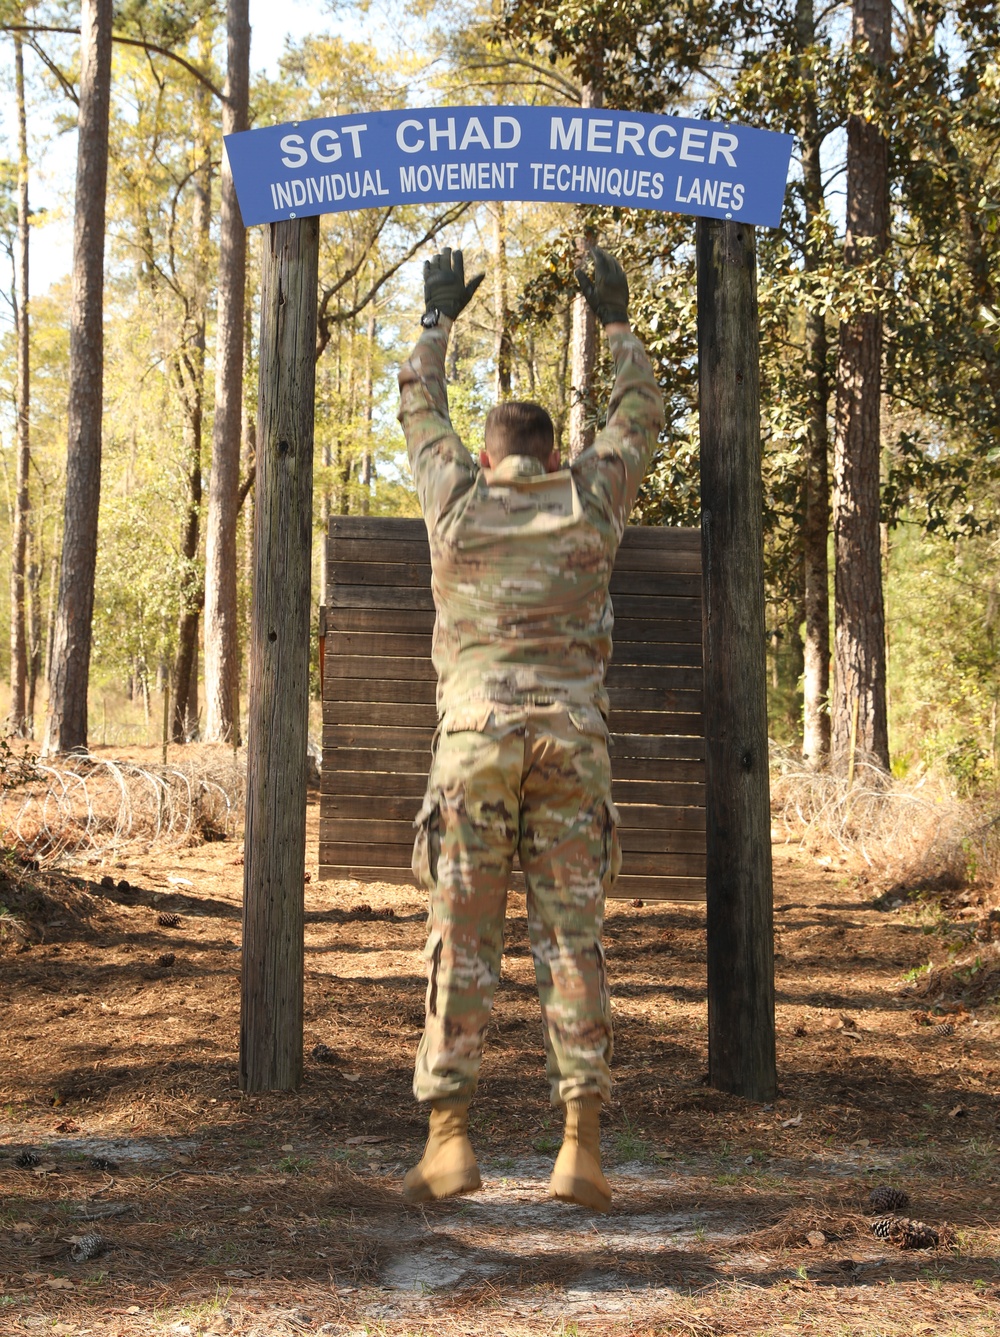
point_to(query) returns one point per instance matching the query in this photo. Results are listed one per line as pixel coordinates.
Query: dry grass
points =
(910, 835)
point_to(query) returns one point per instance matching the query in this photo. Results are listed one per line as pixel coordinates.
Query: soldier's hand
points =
(607, 291)
(445, 288)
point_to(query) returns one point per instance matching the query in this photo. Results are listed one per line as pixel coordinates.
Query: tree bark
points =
(368, 457)
(66, 728)
(190, 376)
(221, 627)
(273, 882)
(741, 1037)
(816, 525)
(859, 637)
(502, 342)
(583, 341)
(18, 721)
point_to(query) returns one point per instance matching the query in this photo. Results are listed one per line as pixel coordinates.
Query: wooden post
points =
(741, 1045)
(274, 853)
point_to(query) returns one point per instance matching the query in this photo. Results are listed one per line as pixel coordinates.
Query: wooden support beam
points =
(274, 855)
(741, 1040)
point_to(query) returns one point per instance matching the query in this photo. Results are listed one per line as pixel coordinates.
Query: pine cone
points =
(168, 920)
(884, 1199)
(27, 1160)
(904, 1233)
(103, 1163)
(88, 1246)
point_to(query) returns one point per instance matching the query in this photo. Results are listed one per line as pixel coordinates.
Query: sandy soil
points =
(221, 1213)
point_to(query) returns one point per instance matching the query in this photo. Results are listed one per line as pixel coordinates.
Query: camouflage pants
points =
(539, 784)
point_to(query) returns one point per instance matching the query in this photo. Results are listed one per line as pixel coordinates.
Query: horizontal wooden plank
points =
(653, 677)
(650, 817)
(402, 714)
(634, 863)
(687, 889)
(340, 779)
(653, 629)
(668, 793)
(396, 667)
(347, 831)
(376, 526)
(412, 599)
(388, 737)
(652, 746)
(409, 575)
(379, 644)
(684, 537)
(359, 807)
(389, 690)
(375, 619)
(658, 889)
(657, 697)
(656, 722)
(657, 653)
(379, 596)
(416, 551)
(388, 761)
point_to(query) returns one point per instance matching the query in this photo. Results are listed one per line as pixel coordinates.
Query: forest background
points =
(929, 280)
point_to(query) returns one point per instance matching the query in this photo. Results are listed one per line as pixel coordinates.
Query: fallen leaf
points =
(60, 1283)
(45, 1168)
(351, 1076)
(133, 1309)
(663, 1155)
(287, 1146)
(180, 882)
(33, 1276)
(815, 1239)
(956, 1112)
(22, 1227)
(792, 1123)
(183, 1160)
(364, 1138)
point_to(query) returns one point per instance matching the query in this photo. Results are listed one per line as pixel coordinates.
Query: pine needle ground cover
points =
(143, 1193)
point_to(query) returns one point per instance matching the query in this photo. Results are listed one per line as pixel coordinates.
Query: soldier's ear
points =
(484, 460)
(553, 464)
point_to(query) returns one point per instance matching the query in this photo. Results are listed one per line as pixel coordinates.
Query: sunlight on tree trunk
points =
(859, 682)
(67, 720)
(816, 526)
(502, 350)
(20, 721)
(583, 345)
(221, 643)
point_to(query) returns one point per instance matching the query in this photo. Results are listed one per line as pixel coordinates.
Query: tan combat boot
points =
(577, 1176)
(448, 1165)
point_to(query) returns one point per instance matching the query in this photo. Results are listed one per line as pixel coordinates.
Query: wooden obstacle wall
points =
(379, 710)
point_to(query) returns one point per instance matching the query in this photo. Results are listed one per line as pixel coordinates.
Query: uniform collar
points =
(513, 467)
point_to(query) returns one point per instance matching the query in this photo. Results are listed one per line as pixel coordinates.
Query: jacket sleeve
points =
(610, 472)
(442, 468)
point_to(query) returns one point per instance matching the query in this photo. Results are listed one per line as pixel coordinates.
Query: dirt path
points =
(226, 1214)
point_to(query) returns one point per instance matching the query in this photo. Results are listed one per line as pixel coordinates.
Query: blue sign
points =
(381, 158)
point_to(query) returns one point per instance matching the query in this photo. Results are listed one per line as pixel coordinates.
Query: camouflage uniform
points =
(520, 564)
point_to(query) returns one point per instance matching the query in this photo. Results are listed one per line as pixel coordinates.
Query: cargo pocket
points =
(611, 850)
(427, 845)
(602, 980)
(432, 955)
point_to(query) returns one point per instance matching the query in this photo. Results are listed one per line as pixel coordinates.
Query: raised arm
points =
(442, 468)
(613, 468)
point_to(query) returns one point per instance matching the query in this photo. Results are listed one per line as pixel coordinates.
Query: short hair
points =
(519, 427)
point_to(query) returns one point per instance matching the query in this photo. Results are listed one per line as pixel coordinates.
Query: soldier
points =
(521, 555)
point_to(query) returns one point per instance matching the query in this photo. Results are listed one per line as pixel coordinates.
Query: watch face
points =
(430, 318)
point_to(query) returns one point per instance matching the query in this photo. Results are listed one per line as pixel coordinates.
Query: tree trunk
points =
(18, 721)
(741, 1038)
(859, 641)
(583, 343)
(221, 642)
(502, 343)
(67, 719)
(190, 376)
(367, 459)
(273, 876)
(35, 566)
(816, 526)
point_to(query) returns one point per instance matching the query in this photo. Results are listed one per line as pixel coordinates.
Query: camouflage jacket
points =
(521, 559)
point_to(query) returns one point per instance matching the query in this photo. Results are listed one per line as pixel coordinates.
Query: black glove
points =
(607, 292)
(445, 288)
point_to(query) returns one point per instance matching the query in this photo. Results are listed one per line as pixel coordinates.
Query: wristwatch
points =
(430, 318)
